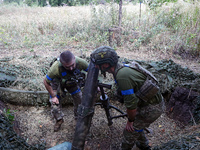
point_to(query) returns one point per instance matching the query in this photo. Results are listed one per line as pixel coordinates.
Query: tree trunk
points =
(115, 36)
(120, 12)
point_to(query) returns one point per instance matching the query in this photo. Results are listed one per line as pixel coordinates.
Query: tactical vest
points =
(150, 87)
(54, 60)
(67, 78)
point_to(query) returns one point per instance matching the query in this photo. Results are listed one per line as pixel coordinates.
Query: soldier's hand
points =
(55, 100)
(129, 126)
(98, 89)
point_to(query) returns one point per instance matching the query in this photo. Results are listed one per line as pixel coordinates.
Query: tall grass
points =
(182, 23)
(169, 28)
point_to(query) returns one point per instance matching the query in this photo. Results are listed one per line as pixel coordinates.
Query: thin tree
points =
(120, 13)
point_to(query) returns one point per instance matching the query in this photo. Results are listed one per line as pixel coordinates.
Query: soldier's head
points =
(68, 60)
(104, 57)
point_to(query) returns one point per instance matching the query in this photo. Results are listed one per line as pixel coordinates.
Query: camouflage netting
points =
(9, 139)
(22, 76)
(171, 75)
(23, 85)
(187, 142)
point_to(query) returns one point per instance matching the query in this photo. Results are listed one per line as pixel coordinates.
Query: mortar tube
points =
(86, 108)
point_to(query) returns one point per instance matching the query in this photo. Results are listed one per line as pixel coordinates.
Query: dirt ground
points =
(36, 123)
(36, 126)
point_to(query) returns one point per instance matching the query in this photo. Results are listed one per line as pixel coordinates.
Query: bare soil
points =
(36, 123)
(36, 126)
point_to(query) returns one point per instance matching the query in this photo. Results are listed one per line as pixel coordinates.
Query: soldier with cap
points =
(63, 76)
(141, 95)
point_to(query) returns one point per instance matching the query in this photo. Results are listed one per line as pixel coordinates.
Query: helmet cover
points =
(104, 54)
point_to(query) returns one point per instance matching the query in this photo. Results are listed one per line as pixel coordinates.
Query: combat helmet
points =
(104, 54)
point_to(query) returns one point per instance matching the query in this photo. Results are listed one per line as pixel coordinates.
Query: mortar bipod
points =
(106, 104)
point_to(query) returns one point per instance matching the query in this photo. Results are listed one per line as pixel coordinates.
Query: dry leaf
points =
(171, 109)
(163, 130)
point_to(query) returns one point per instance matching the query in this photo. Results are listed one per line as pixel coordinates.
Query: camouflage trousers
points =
(144, 117)
(56, 109)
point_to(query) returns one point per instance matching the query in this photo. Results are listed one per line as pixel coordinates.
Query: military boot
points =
(142, 147)
(145, 148)
(58, 125)
(126, 146)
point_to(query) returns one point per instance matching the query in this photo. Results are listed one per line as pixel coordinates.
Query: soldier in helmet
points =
(141, 95)
(64, 75)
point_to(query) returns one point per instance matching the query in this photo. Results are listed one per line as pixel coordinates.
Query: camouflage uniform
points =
(140, 94)
(61, 81)
(129, 82)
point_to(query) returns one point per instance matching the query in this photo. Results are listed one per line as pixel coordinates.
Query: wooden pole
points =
(120, 13)
(140, 11)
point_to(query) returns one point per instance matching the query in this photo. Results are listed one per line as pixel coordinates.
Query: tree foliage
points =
(55, 3)
(12, 1)
(153, 4)
(42, 3)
